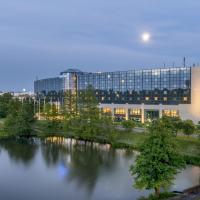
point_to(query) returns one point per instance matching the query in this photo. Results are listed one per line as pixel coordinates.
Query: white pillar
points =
(126, 110)
(142, 112)
(160, 111)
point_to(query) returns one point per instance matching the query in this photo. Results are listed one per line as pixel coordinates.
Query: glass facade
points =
(151, 86)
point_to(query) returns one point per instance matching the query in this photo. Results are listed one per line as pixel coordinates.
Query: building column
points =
(126, 110)
(112, 110)
(142, 113)
(160, 110)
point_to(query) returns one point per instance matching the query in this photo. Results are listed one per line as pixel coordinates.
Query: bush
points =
(188, 127)
(128, 125)
(163, 196)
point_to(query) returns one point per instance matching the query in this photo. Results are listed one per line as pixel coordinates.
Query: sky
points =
(40, 38)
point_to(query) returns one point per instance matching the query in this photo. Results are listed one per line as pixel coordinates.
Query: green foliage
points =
(188, 127)
(70, 104)
(159, 160)
(89, 113)
(173, 123)
(53, 118)
(128, 125)
(162, 196)
(19, 120)
(4, 104)
(89, 121)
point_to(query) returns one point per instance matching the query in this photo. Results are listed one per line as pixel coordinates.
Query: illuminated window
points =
(165, 98)
(106, 110)
(185, 98)
(147, 98)
(156, 98)
(135, 111)
(171, 113)
(120, 111)
(102, 98)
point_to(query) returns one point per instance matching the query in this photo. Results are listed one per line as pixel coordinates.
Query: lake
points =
(65, 169)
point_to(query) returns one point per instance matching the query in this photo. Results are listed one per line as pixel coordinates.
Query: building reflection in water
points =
(79, 161)
(92, 169)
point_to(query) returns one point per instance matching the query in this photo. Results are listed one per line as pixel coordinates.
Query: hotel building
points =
(138, 94)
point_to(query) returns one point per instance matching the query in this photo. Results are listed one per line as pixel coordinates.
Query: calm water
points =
(61, 169)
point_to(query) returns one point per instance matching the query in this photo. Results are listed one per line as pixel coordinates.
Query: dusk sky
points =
(40, 38)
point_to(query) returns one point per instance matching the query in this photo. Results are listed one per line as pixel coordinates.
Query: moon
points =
(146, 37)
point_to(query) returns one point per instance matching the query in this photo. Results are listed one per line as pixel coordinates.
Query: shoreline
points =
(116, 144)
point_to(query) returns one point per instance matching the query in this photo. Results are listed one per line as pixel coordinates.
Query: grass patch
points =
(132, 139)
(2, 123)
(189, 146)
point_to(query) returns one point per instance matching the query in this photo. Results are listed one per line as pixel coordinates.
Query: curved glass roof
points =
(70, 71)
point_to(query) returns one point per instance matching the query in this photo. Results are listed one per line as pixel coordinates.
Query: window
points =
(106, 110)
(185, 98)
(119, 111)
(135, 111)
(170, 113)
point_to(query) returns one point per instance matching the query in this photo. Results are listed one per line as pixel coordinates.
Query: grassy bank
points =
(1, 123)
(189, 147)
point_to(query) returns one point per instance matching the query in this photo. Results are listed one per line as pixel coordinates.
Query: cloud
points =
(41, 38)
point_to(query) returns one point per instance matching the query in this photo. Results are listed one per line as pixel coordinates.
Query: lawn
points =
(189, 146)
(1, 123)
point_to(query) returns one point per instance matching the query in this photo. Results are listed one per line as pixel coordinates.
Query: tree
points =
(4, 104)
(128, 125)
(70, 110)
(158, 161)
(20, 118)
(52, 116)
(188, 127)
(89, 113)
(70, 104)
(106, 127)
(173, 123)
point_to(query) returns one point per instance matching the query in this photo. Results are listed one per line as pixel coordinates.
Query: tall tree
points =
(89, 113)
(20, 118)
(158, 161)
(4, 104)
(53, 117)
(70, 104)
